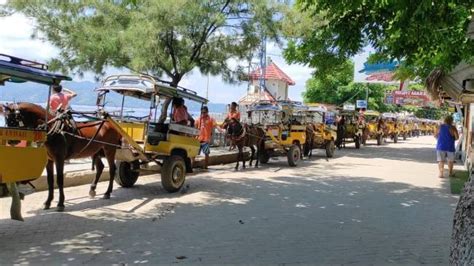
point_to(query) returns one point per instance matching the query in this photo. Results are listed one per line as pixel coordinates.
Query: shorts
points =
(442, 155)
(205, 149)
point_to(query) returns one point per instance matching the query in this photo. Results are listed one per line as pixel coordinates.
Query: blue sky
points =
(15, 39)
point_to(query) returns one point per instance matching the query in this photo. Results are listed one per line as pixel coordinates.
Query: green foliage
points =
(166, 37)
(432, 113)
(421, 34)
(338, 88)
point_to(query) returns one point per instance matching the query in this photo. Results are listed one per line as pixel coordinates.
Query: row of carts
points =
(360, 127)
(291, 129)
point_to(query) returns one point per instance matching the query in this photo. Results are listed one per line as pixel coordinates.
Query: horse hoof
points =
(106, 196)
(60, 208)
(46, 206)
(92, 194)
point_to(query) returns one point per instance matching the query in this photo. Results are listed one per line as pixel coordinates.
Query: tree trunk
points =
(462, 238)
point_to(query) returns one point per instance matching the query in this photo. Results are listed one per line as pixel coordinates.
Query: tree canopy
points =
(337, 88)
(421, 34)
(170, 37)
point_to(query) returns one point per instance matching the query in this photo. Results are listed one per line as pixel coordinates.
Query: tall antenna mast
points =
(263, 64)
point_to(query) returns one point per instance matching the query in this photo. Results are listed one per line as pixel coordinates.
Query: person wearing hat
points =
(60, 98)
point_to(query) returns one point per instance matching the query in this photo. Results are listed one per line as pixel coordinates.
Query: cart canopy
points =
(145, 87)
(14, 69)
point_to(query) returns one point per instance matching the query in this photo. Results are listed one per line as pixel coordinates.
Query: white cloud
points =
(15, 39)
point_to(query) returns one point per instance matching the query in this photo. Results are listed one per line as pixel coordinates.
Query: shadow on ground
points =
(287, 217)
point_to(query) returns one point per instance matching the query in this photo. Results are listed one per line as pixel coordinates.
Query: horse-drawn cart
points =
(284, 136)
(17, 143)
(350, 129)
(391, 126)
(372, 128)
(318, 134)
(147, 139)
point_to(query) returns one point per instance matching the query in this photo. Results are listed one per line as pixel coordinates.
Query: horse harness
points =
(242, 133)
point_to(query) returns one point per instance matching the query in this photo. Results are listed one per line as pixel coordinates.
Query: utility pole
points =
(263, 65)
(367, 96)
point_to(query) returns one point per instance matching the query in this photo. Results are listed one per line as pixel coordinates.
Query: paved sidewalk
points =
(377, 205)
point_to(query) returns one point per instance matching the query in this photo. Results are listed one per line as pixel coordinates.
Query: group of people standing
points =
(205, 123)
(61, 97)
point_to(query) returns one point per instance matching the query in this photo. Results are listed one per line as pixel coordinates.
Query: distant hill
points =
(86, 96)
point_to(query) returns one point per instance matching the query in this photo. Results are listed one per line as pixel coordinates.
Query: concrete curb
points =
(81, 177)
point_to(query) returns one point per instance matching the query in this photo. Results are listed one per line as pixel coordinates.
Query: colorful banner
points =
(413, 98)
(382, 72)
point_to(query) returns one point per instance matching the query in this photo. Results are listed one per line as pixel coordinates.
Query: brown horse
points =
(310, 136)
(242, 135)
(69, 140)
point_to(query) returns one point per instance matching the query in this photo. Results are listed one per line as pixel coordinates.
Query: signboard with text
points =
(348, 107)
(413, 98)
(361, 104)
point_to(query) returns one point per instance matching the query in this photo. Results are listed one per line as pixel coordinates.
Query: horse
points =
(243, 135)
(66, 140)
(340, 132)
(309, 144)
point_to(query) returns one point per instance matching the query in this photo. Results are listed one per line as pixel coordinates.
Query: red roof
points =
(272, 71)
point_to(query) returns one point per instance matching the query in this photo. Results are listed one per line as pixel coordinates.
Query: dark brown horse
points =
(242, 135)
(68, 140)
(310, 140)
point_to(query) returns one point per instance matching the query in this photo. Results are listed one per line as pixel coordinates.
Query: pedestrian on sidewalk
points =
(446, 134)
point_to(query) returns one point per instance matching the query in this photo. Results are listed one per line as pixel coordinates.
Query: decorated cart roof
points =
(389, 115)
(320, 109)
(14, 69)
(265, 106)
(371, 113)
(144, 87)
(295, 106)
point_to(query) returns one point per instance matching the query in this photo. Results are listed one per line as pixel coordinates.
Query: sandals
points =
(452, 174)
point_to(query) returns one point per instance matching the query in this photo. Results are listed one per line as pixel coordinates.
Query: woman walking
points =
(446, 134)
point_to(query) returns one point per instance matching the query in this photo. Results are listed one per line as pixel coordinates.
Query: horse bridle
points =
(242, 132)
(13, 116)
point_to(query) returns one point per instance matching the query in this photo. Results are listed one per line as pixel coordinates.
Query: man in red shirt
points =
(59, 99)
(206, 125)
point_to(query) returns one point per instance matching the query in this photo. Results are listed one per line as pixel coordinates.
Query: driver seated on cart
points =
(60, 98)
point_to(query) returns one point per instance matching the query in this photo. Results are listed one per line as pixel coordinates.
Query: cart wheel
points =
(127, 173)
(357, 142)
(330, 148)
(294, 154)
(379, 139)
(173, 173)
(264, 156)
(395, 138)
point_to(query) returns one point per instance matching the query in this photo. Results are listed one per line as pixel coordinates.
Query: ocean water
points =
(127, 111)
